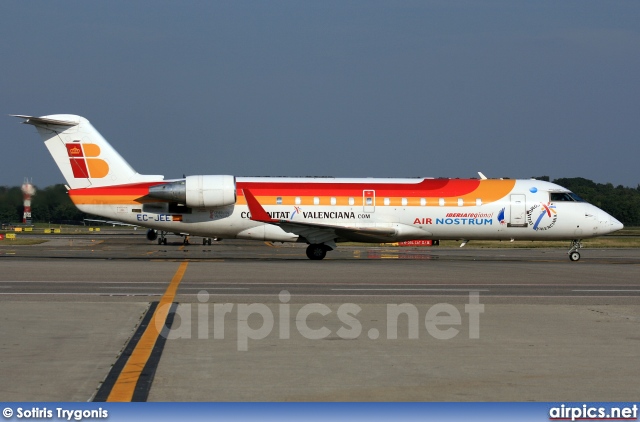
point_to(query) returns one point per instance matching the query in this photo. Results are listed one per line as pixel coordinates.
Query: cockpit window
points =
(576, 197)
(565, 196)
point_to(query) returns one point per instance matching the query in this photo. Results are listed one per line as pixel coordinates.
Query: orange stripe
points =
(125, 385)
(104, 199)
(488, 191)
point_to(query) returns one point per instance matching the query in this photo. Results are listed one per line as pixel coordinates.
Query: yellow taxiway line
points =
(125, 385)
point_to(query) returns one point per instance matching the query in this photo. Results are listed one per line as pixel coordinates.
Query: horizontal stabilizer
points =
(43, 121)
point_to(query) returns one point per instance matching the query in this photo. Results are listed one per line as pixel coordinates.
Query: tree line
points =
(49, 205)
(53, 205)
(621, 202)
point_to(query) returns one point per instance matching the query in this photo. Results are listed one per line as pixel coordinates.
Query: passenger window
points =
(333, 201)
(279, 200)
(441, 202)
(423, 202)
(316, 201)
(298, 200)
(369, 201)
(404, 202)
(351, 201)
(460, 202)
(387, 201)
(478, 202)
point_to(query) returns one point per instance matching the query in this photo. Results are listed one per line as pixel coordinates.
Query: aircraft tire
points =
(316, 252)
(574, 256)
(151, 235)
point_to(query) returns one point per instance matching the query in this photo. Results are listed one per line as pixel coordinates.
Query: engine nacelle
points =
(210, 191)
(198, 191)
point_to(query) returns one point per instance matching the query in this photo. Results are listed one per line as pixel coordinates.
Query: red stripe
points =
(428, 187)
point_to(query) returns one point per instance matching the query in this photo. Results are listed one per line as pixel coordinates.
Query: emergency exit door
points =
(369, 200)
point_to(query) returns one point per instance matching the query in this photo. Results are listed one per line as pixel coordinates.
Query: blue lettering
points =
(465, 221)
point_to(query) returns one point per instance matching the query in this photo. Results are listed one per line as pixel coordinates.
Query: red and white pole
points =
(27, 192)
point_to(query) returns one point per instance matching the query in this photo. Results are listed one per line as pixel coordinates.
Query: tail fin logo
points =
(84, 161)
(75, 151)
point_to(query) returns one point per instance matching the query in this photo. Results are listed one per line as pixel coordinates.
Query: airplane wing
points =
(318, 233)
(115, 223)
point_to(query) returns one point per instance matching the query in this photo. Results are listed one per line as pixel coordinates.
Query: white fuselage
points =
(520, 215)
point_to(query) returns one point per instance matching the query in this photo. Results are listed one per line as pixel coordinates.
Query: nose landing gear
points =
(574, 255)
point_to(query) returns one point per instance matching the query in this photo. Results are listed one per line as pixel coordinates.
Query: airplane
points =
(320, 212)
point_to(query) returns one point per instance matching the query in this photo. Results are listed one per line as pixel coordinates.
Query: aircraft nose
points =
(614, 224)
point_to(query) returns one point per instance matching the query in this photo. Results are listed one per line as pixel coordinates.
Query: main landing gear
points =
(574, 255)
(317, 251)
(153, 235)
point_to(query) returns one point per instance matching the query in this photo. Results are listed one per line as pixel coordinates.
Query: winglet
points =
(257, 212)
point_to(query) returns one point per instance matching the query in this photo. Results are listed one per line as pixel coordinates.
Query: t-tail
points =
(84, 157)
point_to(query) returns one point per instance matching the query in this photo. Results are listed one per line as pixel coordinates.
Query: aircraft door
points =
(518, 217)
(369, 200)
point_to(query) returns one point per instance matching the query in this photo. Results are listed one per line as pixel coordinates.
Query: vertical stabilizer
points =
(83, 156)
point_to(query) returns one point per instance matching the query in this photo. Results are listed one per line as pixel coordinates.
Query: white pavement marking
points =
(416, 290)
(607, 290)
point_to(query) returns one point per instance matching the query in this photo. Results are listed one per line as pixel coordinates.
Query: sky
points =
(329, 88)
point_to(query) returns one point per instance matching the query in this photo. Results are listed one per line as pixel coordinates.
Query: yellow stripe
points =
(126, 383)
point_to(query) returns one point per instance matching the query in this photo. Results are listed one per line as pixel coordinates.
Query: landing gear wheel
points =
(574, 255)
(162, 240)
(209, 242)
(151, 235)
(316, 252)
(204, 240)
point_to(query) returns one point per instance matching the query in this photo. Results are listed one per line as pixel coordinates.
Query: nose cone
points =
(614, 225)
